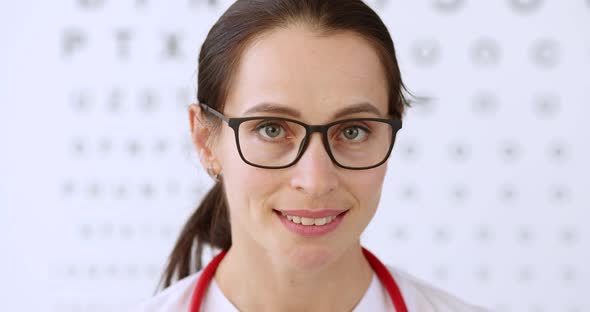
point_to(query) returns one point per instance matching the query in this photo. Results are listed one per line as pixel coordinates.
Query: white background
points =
(487, 194)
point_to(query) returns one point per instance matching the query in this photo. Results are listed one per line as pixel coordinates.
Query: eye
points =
(355, 133)
(270, 129)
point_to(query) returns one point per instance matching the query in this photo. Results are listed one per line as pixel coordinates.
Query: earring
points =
(212, 175)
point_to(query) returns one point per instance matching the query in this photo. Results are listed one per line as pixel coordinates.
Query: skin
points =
(269, 268)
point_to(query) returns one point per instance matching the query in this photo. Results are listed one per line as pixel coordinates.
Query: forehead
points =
(312, 73)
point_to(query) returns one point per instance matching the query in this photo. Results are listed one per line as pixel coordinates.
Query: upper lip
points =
(316, 213)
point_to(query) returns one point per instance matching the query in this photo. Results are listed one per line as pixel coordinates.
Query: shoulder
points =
(419, 295)
(175, 297)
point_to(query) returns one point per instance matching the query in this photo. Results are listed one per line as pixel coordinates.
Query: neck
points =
(255, 281)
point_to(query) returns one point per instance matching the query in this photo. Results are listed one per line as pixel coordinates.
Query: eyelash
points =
(366, 130)
(266, 124)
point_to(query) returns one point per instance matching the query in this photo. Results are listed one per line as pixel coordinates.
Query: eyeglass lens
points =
(275, 142)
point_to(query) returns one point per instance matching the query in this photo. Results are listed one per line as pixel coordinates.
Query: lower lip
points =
(311, 230)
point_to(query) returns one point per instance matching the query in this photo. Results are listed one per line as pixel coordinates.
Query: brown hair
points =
(218, 59)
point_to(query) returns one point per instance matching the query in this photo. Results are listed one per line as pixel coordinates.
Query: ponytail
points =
(208, 225)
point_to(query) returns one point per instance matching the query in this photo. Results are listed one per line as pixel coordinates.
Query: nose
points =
(315, 173)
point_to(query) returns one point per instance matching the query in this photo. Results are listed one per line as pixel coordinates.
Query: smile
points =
(310, 227)
(309, 221)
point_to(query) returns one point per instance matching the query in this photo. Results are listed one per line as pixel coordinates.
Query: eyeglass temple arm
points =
(207, 108)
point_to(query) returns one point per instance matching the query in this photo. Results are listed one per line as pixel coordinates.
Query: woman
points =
(289, 204)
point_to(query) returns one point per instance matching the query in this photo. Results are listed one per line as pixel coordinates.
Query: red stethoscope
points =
(379, 268)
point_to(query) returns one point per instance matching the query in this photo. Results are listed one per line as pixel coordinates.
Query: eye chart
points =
(486, 194)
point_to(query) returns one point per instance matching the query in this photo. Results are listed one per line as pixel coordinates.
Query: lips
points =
(302, 225)
(321, 213)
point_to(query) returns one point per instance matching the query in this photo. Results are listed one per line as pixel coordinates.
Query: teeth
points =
(309, 221)
(320, 221)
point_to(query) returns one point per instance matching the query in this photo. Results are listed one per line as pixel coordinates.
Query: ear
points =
(200, 131)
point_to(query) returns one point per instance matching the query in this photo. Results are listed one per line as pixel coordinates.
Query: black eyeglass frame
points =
(234, 123)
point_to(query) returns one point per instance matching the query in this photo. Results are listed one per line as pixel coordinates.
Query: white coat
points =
(418, 295)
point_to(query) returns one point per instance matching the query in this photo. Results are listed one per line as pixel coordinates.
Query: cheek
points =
(368, 187)
(250, 185)
(235, 170)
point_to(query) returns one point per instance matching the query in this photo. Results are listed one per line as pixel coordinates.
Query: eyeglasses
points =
(276, 142)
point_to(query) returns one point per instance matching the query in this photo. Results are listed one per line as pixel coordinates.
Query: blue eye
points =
(352, 133)
(272, 130)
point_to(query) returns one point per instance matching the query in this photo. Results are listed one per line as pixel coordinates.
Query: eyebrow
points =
(267, 107)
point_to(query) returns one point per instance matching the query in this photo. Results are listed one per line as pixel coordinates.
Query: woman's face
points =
(315, 76)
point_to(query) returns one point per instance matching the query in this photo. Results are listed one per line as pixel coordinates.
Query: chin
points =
(310, 257)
